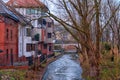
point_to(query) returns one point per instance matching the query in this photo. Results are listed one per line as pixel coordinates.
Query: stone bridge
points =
(69, 47)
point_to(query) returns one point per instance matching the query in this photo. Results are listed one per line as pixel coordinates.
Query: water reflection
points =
(65, 68)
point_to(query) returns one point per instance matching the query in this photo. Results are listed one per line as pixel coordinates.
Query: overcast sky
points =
(5, 0)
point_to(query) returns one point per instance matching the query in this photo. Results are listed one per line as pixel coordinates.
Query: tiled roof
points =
(6, 12)
(26, 3)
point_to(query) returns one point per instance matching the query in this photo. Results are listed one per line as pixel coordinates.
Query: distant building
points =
(46, 36)
(8, 36)
(63, 36)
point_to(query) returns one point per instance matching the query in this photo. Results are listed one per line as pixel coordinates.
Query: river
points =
(66, 67)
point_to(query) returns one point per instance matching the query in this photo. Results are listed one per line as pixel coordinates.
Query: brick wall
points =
(9, 41)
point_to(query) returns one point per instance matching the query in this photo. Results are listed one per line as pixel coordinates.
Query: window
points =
(30, 11)
(11, 51)
(11, 56)
(7, 32)
(45, 46)
(38, 11)
(49, 24)
(43, 13)
(28, 32)
(28, 47)
(36, 37)
(49, 35)
(11, 35)
(44, 22)
(50, 48)
(33, 47)
(7, 54)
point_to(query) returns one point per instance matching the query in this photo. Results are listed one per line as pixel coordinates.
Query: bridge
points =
(70, 47)
(63, 45)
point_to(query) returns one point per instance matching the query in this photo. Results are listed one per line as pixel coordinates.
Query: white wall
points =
(21, 10)
(33, 16)
(23, 40)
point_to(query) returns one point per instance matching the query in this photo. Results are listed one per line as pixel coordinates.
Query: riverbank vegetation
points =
(109, 65)
(12, 74)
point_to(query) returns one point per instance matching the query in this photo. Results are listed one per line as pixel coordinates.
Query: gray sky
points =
(5, 0)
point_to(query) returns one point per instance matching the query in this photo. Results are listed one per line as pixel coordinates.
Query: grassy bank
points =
(11, 74)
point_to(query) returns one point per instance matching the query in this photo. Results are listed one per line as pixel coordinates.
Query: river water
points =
(65, 68)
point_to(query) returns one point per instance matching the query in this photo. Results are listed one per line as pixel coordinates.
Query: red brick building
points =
(8, 36)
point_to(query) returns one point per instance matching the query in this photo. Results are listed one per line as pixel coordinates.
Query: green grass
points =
(13, 74)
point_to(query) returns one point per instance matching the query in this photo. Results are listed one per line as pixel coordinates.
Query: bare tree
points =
(86, 20)
(82, 17)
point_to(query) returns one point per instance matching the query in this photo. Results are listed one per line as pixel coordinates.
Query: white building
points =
(24, 35)
(34, 11)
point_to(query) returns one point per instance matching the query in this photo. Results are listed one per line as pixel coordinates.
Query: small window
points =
(28, 32)
(33, 47)
(11, 35)
(7, 54)
(50, 48)
(11, 51)
(28, 47)
(49, 35)
(32, 11)
(49, 24)
(45, 46)
(7, 34)
(28, 11)
(36, 37)
(44, 22)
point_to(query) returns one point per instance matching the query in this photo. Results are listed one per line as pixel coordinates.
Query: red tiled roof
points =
(26, 3)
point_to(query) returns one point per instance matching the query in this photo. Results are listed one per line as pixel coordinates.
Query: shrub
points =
(107, 46)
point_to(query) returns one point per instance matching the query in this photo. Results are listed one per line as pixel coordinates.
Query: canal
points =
(66, 67)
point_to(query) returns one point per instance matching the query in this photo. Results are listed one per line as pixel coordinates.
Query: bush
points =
(107, 46)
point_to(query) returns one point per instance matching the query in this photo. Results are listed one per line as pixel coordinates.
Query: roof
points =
(26, 4)
(21, 18)
(6, 12)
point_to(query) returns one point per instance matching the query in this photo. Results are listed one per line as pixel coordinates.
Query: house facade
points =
(42, 31)
(24, 38)
(8, 39)
(45, 36)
